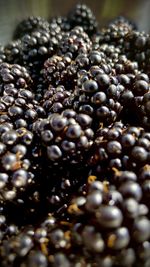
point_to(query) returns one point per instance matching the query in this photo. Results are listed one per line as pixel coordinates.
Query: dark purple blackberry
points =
(20, 108)
(97, 94)
(121, 20)
(62, 22)
(114, 34)
(30, 25)
(12, 160)
(59, 70)
(82, 16)
(136, 47)
(64, 138)
(75, 42)
(14, 77)
(135, 101)
(121, 148)
(55, 100)
(64, 70)
(37, 47)
(143, 110)
(13, 52)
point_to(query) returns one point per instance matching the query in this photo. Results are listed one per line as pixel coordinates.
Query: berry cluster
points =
(75, 143)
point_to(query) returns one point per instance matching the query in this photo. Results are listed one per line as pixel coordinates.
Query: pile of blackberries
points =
(75, 143)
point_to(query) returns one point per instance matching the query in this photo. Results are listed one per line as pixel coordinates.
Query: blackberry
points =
(114, 34)
(143, 109)
(13, 76)
(121, 148)
(30, 25)
(57, 70)
(75, 42)
(15, 174)
(66, 137)
(97, 94)
(82, 16)
(64, 70)
(20, 107)
(13, 52)
(121, 20)
(37, 47)
(62, 22)
(136, 47)
(55, 100)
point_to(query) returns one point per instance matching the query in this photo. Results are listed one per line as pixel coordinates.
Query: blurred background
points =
(13, 11)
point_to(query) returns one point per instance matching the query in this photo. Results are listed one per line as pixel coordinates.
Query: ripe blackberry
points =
(62, 22)
(13, 52)
(97, 94)
(82, 16)
(30, 25)
(66, 137)
(55, 100)
(75, 42)
(13, 76)
(57, 70)
(15, 170)
(20, 108)
(135, 101)
(64, 70)
(121, 20)
(136, 47)
(37, 47)
(123, 148)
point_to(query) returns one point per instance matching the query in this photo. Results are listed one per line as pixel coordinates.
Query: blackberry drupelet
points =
(30, 25)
